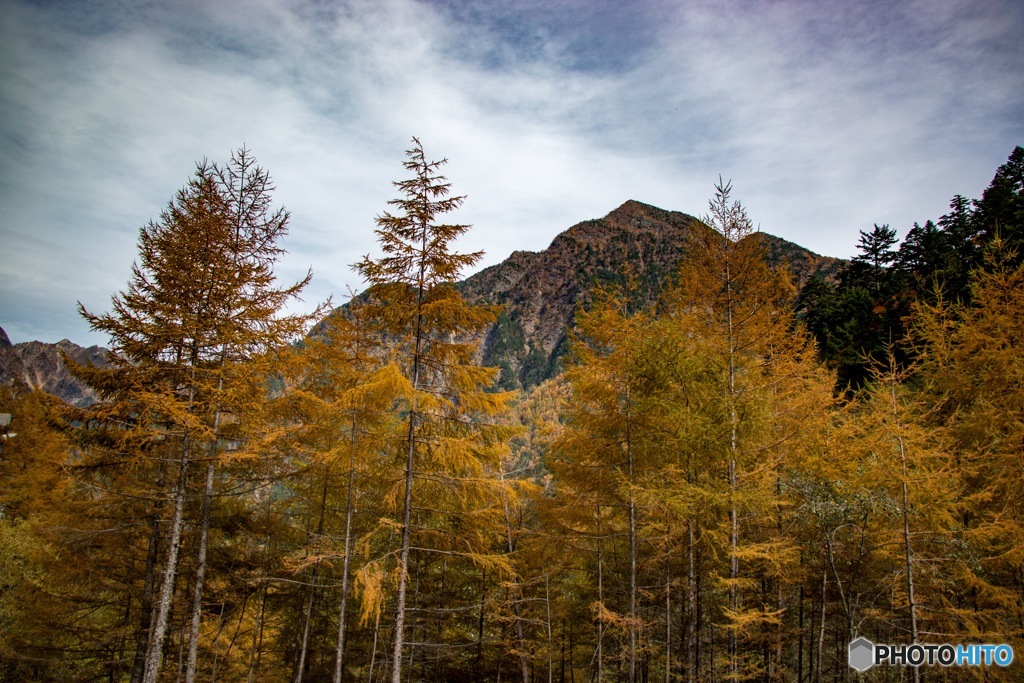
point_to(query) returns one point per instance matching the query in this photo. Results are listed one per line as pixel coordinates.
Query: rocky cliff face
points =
(41, 366)
(541, 291)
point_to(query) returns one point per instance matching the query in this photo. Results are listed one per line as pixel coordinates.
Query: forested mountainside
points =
(40, 366)
(734, 478)
(542, 292)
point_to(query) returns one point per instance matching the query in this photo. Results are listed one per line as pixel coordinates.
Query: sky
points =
(828, 117)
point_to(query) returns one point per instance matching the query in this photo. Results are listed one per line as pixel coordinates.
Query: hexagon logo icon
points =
(862, 654)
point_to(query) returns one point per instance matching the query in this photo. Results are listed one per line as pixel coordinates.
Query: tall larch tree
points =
(600, 457)
(452, 444)
(756, 360)
(188, 336)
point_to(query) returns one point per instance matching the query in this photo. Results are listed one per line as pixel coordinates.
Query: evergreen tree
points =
(757, 362)
(449, 452)
(925, 259)
(869, 267)
(188, 341)
(1000, 211)
(960, 228)
(605, 452)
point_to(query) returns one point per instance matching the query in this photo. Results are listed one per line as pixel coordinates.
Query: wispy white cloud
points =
(828, 117)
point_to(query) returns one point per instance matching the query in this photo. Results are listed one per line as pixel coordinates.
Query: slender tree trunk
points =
(734, 528)
(821, 627)
(234, 637)
(415, 604)
(668, 616)
(373, 650)
(698, 626)
(440, 620)
(156, 644)
(204, 532)
(551, 644)
(800, 639)
(572, 657)
(301, 664)
(600, 599)
(312, 582)
(907, 547)
(346, 564)
(146, 608)
(480, 625)
(691, 633)
(510, 545)
(257, 637)
(775, 673)
(632, 548)
(376, 622)
(403, 560)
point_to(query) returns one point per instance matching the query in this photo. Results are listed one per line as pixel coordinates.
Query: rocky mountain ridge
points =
(541, 291)
(40, 366)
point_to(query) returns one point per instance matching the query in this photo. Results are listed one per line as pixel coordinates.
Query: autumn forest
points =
(729, 482)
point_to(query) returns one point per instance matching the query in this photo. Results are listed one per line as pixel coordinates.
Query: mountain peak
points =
(41, 366)
(541, 291)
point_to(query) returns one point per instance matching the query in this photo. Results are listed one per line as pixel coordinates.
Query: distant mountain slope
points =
(40, 366)
(542, 290)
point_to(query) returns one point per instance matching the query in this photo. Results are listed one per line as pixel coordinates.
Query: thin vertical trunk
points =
(257, 637)
(415, 603)
(572, 658)
(440, 620)
(632, 549)
(691, 634)
(346, 564)
(908, 549)
(776, 672)
(698, 627)
(154, 656)
(146, 608)
(561, 657)
(800, 639)
(301, 664)
(600, 599)
(204, 532)
(734, 528)
(234, 637)
(403, 559)
(547, 605)
(821, 627)
(510, 545)
(480, 625)
(312, 582)
(373, 650)
(668, 617)
(376, 622)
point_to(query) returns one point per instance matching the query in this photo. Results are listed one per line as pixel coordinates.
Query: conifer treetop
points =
(416, 248)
